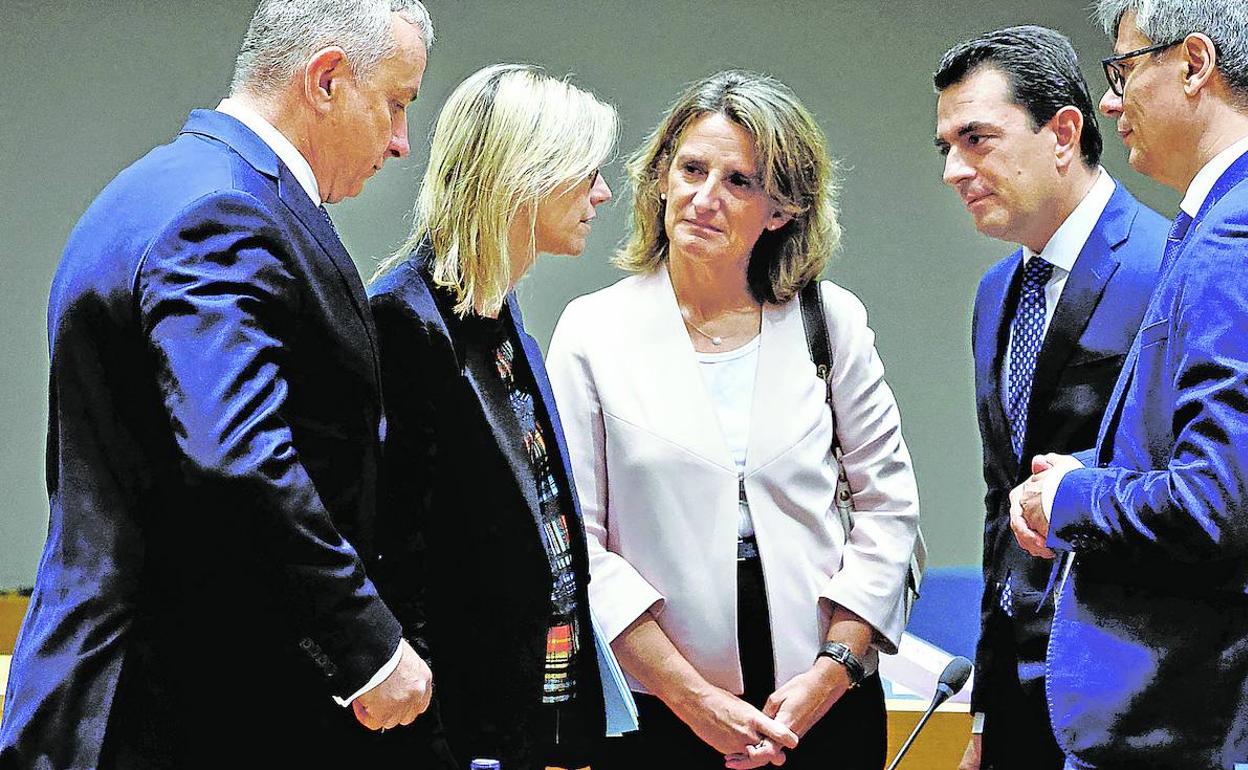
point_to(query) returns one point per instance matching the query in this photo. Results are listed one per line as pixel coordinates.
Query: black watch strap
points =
(840, 652)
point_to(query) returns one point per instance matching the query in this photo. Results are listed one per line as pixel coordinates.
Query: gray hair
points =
(1163, 21)
(284, 34)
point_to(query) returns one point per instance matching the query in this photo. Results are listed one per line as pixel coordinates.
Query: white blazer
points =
(658, 485)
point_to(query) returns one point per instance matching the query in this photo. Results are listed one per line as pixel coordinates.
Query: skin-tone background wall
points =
(90, 87)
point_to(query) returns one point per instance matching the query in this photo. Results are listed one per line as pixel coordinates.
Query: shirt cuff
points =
(1048, 488)
(977, 723)
(377, 679)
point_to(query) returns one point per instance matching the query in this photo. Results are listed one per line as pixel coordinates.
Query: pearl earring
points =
(662, 196)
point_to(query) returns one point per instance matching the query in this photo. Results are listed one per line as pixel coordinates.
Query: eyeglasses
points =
(1113, 69)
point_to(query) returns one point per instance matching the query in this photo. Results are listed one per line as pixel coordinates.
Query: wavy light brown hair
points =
(796, 171)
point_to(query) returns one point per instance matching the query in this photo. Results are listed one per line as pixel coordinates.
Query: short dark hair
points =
(1042, 69)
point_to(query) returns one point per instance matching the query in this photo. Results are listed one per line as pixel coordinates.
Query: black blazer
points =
(213, 449)
(1087, 341)
(463, 561)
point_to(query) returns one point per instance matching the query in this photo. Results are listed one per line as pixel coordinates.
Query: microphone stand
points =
(930, 710)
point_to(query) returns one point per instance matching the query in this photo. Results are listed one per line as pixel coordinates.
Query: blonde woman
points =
(483, 556)
(701, 443)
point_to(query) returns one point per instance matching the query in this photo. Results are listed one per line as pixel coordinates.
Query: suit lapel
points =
(296, 199)
(1084, 288)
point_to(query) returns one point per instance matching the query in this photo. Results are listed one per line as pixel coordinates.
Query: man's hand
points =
(401, 697)
(970, 757)
(1027, 519)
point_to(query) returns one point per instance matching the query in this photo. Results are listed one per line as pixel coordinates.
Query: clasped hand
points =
(798, 704)
(1028, 520)
(738, 730)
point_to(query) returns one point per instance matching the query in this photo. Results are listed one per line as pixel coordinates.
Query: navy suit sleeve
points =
(1190, 506)
(217, 301)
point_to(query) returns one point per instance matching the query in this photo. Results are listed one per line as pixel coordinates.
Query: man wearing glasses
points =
(1148, 663)
(1052, 325)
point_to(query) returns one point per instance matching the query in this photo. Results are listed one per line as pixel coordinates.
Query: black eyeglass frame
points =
(1117, 80)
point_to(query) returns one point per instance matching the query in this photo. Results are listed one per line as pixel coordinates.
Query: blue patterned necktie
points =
(1026, 336)
(1174, 239)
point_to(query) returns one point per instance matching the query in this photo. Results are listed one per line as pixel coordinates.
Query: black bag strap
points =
(816, 325)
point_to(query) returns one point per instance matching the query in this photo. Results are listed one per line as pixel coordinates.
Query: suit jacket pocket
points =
(1094, 370)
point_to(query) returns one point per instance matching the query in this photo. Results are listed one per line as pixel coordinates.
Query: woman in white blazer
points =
(743, 614)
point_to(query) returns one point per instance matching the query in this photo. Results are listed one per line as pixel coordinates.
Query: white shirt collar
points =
(279, 144)
(1063, 248)
(1209, 174)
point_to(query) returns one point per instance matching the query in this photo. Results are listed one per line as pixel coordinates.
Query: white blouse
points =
(729, 378)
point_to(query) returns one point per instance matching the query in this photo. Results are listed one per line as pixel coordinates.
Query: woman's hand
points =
(803, 700)
(733, 727)
(799, 704)
(719, 718)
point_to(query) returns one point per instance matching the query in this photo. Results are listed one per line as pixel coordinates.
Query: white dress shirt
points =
(302, 170)
(277, 142)
(1208, 175)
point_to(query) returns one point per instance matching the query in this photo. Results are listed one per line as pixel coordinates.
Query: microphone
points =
(952, 679)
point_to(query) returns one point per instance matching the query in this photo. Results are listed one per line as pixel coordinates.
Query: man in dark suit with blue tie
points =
(213, 431)
(1051, 328)
(1148, 659)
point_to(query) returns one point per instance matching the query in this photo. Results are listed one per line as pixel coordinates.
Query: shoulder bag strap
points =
(816, 325)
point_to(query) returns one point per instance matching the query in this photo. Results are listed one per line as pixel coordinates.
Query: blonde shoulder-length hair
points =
(796, 171)
(506, 138)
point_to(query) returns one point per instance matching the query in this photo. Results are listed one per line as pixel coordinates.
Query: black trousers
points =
(853, 735)
(1017, 733)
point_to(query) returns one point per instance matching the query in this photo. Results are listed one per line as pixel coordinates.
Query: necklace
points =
(716, 341)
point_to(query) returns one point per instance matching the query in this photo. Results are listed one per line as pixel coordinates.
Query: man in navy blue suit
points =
(213, 437)
(1148, 662)
(1051, 328)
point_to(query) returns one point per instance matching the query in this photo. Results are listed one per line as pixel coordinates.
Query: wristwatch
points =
(840, 652)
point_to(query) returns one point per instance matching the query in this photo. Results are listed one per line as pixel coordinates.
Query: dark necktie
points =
(1026, 336)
